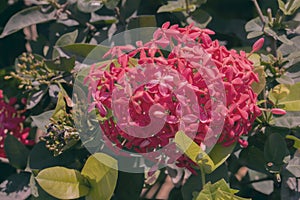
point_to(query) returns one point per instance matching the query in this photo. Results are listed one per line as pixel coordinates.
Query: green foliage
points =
(209, 162)
(274, 152)
(287, 96)
(129, 185)
(27, 17)
(63, 183)
(102, 174)
(217, 191)
(16, 152)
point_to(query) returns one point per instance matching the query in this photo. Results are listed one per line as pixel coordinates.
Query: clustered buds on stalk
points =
(187, 44)
(32, 72)
(12, 122)
(61, 134)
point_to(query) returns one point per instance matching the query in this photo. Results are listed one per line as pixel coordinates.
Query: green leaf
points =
(88, 53)
(37, 192)
(142, 21)
(254, 34)
(101, 171)
(271, 32)
(295, 139)
(201, 17)
(288, 8)
(111, 4)
(254, 25)
(129, 7)
(284, 79)
(66, 39)
(61, 64)
(282, 38)
(177, 6)
(294, 7)
(253, 158)
(220, 153)
(63, 183)
(40, 157)
(275, 150)
(217, 191)
(88, 6)
(193, 183)
(216, 157)
(290, 102)
(278, 93)
(286, 49)
(27, 17)
(60, 109)
(42, 120)
(258, 87)
(16, 152)
(194, 152)
(129, 185)
(289, 120)
(281, 5)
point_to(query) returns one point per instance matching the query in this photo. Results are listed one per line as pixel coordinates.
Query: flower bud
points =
(278, 111)
(258, 45)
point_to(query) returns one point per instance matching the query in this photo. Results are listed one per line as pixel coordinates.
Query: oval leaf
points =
(27, 17)
(63, 183)
(66, 39)
(194, 152)
(89, 6)
(101, 171)
(16, 152)
(275, 149)
(291, 99)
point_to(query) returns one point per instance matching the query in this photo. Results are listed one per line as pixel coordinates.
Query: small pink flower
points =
(278, 111)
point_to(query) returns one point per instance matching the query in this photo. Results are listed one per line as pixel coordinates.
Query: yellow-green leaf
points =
(209, 162)
(101, 171)
(217, 191)
(178, 6)
(194, 152)
(219, 154)
(287, 96)
(296, 141)
(63, 183)
(259, 86)
(278, 92)
(60, 109)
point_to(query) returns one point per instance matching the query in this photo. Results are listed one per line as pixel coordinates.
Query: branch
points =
(261, 16)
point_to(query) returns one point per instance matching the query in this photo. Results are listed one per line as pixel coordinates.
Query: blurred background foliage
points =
(47, 30)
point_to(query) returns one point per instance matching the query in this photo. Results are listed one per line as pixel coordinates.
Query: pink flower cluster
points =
(11, 122)
(185, 56)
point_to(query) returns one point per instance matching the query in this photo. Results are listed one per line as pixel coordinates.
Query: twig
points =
(262, 18)
(187, 7)
(260, 14)
(202, 176)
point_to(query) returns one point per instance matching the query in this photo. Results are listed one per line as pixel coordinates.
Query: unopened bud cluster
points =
(32, 72)
(61, 135)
